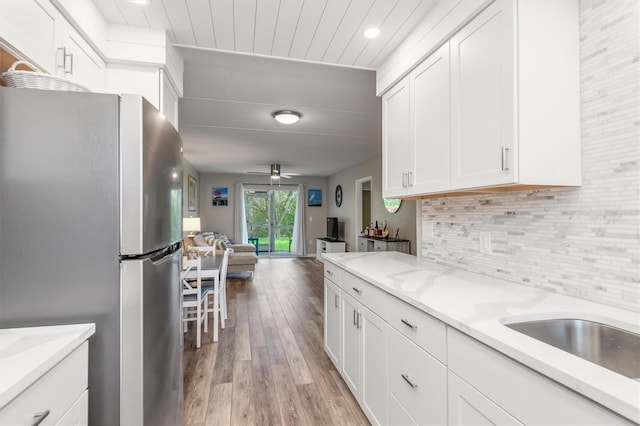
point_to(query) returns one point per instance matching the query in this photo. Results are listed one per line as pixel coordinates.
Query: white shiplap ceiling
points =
(328, 31)
(225, 115)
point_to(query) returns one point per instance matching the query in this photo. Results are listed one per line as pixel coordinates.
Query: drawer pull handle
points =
(408, 324)
(336, 301)
(329, 272)
(406, 379)
(39, 417)
(357, 290)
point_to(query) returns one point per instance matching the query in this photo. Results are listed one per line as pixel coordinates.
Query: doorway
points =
(364, 205)
(270, 219)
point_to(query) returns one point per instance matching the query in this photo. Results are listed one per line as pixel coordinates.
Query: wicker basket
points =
(37, 80)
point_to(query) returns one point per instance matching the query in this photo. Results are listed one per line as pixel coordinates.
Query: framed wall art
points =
(192, 194)
(314, 198)
(220, 196)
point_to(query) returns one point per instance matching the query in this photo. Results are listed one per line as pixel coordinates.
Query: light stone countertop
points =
(28, 353)
(478, 305)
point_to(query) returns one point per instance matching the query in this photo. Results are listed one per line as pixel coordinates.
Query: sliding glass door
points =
(270, 217)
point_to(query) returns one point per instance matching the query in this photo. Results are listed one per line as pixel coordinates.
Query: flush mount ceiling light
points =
(286, 116)
(371, 32)
(140, 2)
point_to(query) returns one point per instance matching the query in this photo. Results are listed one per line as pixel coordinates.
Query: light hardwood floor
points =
(269, 366)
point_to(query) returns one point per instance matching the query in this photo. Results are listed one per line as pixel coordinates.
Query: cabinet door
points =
(374, 366)
(33, 28)
(467, 406)
(430, 124)
(351, 345)
(168, 100)
(320, 248)
(482, 100)
(395, 139)
(82, 64)
(332, 322)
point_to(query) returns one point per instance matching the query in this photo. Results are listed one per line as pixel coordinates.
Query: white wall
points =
(221, 218)
(580, 241)
(405, 218)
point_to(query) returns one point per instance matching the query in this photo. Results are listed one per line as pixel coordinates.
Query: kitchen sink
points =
(610, 347)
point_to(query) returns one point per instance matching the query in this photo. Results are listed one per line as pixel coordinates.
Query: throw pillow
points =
(200, 243)
(222, 245)
(223, 237)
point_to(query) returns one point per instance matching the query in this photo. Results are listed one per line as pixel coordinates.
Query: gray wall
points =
(579, 241)
(221, 218)
(404, 219)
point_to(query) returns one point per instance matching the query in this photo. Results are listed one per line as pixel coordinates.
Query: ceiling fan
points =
(275, 173)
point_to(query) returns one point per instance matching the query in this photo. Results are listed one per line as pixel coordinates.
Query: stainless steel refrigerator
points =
(90, 225)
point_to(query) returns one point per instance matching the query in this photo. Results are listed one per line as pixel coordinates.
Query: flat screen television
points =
(332, 228)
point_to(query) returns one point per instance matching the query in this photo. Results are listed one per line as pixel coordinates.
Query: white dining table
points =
(210, 269)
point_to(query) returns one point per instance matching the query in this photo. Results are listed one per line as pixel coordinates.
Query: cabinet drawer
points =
(332, 272)
(547, 402)
(78, 414)
(421, 328)
(365, 293)
(55, 391)
(417, 380)
(397, 414)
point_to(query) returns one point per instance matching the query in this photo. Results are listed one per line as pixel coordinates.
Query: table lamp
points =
(191, 225)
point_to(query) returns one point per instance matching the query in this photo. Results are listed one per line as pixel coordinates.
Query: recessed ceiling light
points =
(287, 116)
(371, 32)
(140, 2)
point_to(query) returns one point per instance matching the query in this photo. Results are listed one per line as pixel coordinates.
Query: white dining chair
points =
(217, 304)
(194, 298)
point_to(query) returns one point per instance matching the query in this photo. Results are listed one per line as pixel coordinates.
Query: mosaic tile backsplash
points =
(583, 241)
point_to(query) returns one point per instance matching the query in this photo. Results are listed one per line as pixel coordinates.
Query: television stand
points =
(329, 245)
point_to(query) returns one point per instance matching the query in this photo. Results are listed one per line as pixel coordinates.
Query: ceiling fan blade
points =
(258, 173)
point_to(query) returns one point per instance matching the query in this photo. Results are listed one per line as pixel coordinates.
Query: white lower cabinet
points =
(374, 366)
(363, 361)
(491, 388)
(469, 407)
(351, 344)
(55, 397)
(405, 367)
(332, 336)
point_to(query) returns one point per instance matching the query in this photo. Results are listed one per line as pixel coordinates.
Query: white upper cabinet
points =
(396, 158)
(36, 31)
(32, 28)
(482, 100)
(495, 107)
(82, 64)
(85, 50)
(415, 119)
(430, 124)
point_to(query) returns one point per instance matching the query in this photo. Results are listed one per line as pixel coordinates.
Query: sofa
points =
(242, 257)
